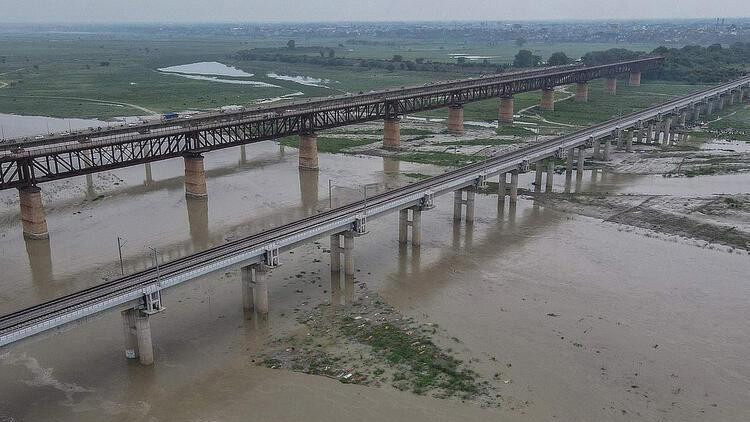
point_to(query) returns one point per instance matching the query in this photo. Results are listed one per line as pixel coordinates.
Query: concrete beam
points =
(195, 176)
(456, 119)
(392, 133)
(33, 217)
(308, 151)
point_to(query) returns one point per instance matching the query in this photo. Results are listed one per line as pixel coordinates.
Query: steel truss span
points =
(28, 162)
(257, 248)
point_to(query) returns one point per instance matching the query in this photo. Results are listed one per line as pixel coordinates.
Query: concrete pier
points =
(392, 133)
(246, 279)
(607, 152)
(610, 86)
(33, 218)
(629, 140)
(502, 189)
(131, 341)
(143, 337)
(456, 119)
(548, 99)
(347, 249)
(581, 161)
(415, 222)
(597, 149)
(459, 202)
(635, 78)
(513, 193)
(308, 151)
(550, 174)
(505, 116)
(666, 129)
(539, 167)
(651, 135)
(582, 92)
(259, 284)
(569, 161)
(149, 177)
(348, 253)
(195, 176)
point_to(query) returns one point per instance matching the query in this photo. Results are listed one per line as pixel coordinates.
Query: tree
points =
(558, 59)
(397, 58)
(520, 42)
(461, 60)
(526, 58)
(331, 53)
(291, 44)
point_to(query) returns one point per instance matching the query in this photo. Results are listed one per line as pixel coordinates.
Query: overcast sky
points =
(359, 10)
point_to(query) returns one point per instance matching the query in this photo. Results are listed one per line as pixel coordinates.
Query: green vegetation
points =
(440, 158)
(692, 63)
(404, 132)
(481, 141)
(422, 365)
(514, 130)
(327, 144)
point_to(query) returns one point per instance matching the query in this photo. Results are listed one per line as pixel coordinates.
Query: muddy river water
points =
(587, 320)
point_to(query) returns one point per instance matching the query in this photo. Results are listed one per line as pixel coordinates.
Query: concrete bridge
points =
(25, 163)
(140, 295)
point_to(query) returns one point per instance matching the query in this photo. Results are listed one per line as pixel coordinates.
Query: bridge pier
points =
(607, 153)
(459, 202)
(259, 283)
(347, 250)
(629, 140)
(548, 99)
(137, 331)
(404, 222)
(610, 86)
(149, 178)
(246, 280)
(456, 119)
(635, 78)
(550, 174)
(597, 148)
(582, 92)
(666, 129)
(581, 160)
(730, 98)
(539, 167)
(505, 116)
(651, 136)
(569, 162)
(33, 217)
(392, 133)
(195, 176)
(619, 139)
(513, 193)
(502, 189)
(308, 151)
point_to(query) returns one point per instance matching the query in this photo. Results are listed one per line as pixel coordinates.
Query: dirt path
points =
(535, 116)
(93, 100)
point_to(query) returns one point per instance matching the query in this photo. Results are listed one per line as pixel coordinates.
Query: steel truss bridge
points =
(266, 247)
(26, 162)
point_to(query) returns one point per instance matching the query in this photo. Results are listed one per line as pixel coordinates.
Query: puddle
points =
(207, 68)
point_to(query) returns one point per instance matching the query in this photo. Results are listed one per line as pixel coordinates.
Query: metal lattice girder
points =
(160, 141)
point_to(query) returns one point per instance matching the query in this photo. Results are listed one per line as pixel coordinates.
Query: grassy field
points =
(107, 75)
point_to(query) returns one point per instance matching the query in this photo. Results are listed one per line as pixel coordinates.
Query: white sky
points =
(359, 10)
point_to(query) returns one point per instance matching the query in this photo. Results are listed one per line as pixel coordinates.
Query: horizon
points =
(386, 11)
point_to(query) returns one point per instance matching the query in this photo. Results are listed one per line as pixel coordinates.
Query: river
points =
(587, 321)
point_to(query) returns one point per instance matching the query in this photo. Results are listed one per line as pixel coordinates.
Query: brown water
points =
(645, 328)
